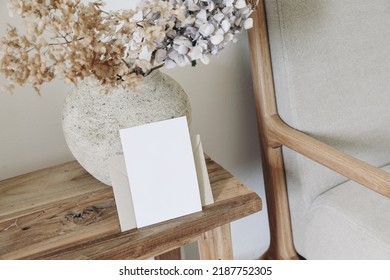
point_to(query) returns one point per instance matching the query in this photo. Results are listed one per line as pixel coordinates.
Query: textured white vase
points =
(91, 120)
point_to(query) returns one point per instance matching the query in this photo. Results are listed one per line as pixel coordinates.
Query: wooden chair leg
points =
(281, 243)
(170, 255)
(216, 244)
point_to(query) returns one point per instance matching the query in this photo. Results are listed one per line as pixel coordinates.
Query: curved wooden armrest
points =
(359, 171)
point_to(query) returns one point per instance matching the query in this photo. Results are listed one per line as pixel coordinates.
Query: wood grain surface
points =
(64, 213)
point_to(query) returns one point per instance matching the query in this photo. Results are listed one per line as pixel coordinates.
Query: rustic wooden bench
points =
(62, 212)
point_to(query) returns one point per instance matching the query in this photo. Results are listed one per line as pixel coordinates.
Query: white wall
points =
(223, 114)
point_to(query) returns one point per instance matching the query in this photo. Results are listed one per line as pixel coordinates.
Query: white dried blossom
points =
(248, 23)
(228, 3)
(73, 40)
(218, 37)
(160, 56)
(240, 4)
(207, 29)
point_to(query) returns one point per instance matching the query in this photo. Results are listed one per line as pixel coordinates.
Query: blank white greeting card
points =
(161, 171)
(121, 186)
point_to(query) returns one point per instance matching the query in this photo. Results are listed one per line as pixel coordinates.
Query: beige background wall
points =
(223, 114)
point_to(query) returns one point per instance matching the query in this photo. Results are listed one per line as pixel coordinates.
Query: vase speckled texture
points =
(91, 120)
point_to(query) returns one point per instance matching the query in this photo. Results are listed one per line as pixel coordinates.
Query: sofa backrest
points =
(331, 66)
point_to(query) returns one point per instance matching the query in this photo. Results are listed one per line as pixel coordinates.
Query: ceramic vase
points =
(91, 119)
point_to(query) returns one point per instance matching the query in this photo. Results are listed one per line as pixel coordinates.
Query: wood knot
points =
(86, 216)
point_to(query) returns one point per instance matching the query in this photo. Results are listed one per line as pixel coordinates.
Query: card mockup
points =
(161, 171)
(121, 186)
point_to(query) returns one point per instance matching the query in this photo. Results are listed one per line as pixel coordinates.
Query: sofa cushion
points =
(348, 221)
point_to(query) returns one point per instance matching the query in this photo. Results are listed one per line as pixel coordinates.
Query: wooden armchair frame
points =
(274, 133)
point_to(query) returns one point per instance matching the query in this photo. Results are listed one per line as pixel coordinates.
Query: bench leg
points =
(216, 244)
(170, 255)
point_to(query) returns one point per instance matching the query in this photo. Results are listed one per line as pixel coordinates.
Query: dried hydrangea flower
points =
(74, 40)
